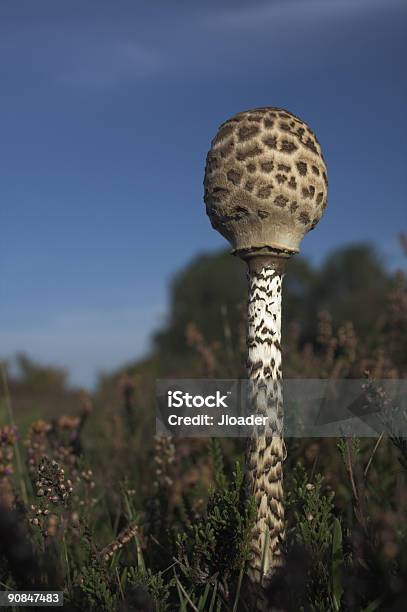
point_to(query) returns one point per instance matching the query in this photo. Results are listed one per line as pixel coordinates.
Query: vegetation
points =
(95, 505)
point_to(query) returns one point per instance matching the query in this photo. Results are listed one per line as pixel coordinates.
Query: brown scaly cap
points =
(265, 182)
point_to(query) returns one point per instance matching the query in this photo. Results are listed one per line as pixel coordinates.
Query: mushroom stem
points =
(266, 450)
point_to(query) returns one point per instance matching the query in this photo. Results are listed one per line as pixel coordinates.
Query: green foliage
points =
(342, 447)
(95, 591)
(35, 376)
(218, 465)
(318, 532)
(352, 285)
(198, 294)
(313, 510)
(218, 543)
(401, 445)
(337, 563)
(153, 584)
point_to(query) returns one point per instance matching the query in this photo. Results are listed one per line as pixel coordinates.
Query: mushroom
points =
(265, 188)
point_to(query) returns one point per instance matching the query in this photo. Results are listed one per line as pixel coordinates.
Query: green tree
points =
(209, 292)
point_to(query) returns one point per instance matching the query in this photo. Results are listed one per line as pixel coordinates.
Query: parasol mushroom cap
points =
(265, 181)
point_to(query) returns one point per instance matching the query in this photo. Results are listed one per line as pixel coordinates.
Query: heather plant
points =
(340, 557)
(318, 533)
(217, 545)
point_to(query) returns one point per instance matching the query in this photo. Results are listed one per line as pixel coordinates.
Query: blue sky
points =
(107, 111)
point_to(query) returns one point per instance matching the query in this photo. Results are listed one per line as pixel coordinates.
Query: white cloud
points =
(104, 63)
(293, 12)
(84, 342)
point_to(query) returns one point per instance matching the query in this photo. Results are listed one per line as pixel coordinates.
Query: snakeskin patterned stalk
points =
(265, 453)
